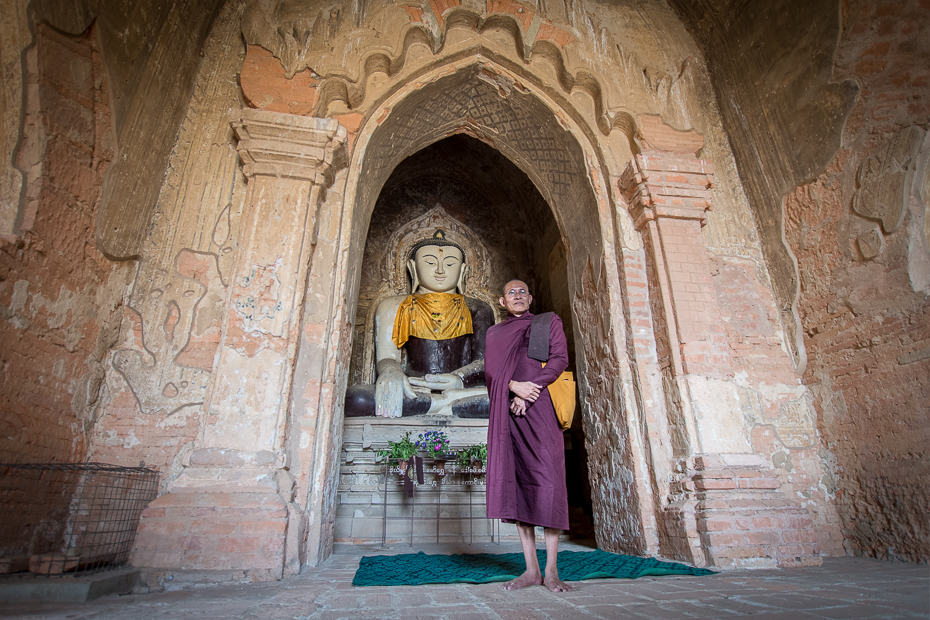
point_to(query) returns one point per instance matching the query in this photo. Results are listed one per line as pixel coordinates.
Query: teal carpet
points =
(412, 569)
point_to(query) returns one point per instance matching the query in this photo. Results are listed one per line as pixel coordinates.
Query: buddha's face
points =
(437, 268)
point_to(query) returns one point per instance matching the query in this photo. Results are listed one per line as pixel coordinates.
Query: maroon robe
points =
(526, 454)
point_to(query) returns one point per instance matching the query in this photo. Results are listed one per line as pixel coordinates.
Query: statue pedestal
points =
(360, 500)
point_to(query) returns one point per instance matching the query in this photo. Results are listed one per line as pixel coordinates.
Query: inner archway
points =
(464, 179)
(542, 137)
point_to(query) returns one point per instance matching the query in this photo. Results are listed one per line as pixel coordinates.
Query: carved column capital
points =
(288, 146)
(290, 161)
(660, 184)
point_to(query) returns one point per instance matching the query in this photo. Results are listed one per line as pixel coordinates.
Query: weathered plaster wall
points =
(328, 65)
(15, 36)
(771, 67)
(776, 406)
(396, 59)
(859, 233)
(568, 93)
(163, 360)
(60, 299)
(151, 49)
(828, 104)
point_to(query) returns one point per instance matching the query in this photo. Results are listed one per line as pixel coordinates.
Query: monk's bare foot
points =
(556, 585)
(523, 581)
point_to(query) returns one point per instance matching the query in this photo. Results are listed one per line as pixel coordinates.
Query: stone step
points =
(24, 587)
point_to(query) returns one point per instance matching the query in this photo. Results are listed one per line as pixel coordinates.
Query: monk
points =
(526, 458)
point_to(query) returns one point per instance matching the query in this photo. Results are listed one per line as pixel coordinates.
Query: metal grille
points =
(65, 517)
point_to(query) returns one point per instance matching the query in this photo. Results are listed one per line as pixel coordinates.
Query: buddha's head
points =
(437, 265)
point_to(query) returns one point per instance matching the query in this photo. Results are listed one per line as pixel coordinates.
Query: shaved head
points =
(511, 283)
(516, 298)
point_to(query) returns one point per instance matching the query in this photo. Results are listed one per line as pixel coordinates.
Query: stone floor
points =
(841, 588)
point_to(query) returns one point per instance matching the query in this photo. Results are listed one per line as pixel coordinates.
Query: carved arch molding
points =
(149, 103)
(574, 52)
(298, 35)
(139, 38)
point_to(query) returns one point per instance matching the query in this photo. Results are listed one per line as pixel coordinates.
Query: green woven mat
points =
(410, 569)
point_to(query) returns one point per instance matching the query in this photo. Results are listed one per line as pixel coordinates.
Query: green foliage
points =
(476, 452)
(402, 450)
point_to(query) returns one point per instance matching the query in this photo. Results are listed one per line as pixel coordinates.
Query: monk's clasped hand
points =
(518, 406)
(527, 390)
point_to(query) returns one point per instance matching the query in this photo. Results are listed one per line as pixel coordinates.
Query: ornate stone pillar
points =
(668, 195)
(232, 508)
(729, 511)
(289, 161)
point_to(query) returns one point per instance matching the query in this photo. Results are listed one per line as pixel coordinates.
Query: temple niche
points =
(486, 205)
(479, 198)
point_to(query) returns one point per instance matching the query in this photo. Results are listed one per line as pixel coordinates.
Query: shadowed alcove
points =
(544, 220)
(464, 181)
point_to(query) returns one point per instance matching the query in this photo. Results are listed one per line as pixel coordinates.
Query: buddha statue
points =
(429, 345)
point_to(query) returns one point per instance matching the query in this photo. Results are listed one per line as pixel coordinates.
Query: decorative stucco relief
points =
(923, 191)
(14, 36)
(885, 179)
(348, 59)
(795, 424)
(787, 409)
(892, 182)
(918, 247)
(258, 302)
(870, 243)
(176, 303)
(166, 310)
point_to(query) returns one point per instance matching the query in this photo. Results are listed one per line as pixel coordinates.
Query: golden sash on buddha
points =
(432, 316)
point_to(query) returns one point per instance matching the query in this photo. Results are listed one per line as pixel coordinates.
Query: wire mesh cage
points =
(65, 517)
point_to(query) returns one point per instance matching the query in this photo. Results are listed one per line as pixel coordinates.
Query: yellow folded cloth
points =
(432, 316)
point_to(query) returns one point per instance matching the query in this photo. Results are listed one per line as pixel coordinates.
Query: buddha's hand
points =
(439, 383)
(390, 389)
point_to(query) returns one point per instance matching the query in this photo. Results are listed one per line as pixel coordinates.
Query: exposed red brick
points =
(522, 13)
(548, 32)
(52, 338)
(265, 85)
(660, 136)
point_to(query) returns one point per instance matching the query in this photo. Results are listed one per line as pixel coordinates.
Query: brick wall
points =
(787, 441)
(59, 297)
(867, 330)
